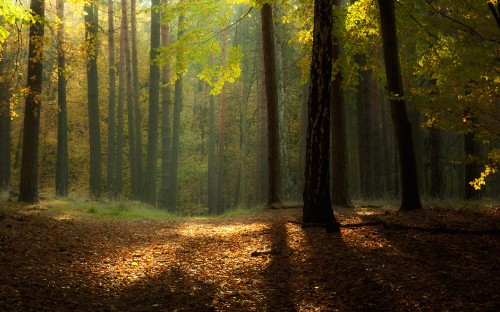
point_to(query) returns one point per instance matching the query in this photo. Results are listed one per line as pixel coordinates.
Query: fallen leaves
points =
(249, 263)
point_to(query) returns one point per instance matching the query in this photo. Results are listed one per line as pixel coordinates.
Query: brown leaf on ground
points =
(257, 262)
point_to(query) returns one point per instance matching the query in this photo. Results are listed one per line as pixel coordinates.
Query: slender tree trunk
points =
(340, 185)
(172, 202)
(110, 185)
(154, 103)
(132, 155)
(363, 100)
(120, 113)
(91, 33)
(28, 186)
(472, 171)
(212, 167)
(222, 132)
(274, 196)
(166, 128)
(410, 196)
(137, 100)
(62, 115)
(438, 187)
(279, 39)
(5, 124)
(317, 201)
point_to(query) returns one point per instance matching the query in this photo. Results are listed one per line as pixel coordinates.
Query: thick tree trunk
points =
(5, 124)
(137, 99)
(262, 180)
(28, 186)
(340, 183)
(154, 103)
(91, 32)
(274, 195)
(317, 201)
(62, 115)
(410, 196)
(166, 127)
(110, 178)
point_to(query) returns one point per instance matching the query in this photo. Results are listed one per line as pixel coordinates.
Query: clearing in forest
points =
(434, 259)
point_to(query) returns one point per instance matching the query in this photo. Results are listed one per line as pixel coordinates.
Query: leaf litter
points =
(381, 261)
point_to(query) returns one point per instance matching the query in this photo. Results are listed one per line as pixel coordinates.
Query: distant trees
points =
(110, 177)
(28, 185)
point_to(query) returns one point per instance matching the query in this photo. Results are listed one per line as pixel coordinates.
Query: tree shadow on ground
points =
(439, 270)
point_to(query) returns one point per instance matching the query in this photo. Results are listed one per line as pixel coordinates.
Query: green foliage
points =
(79, 207)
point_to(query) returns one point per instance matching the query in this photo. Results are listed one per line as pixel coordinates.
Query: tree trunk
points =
(438, 189)
(472, 171)
(363, 100)
(222, 132)
(274, 159)
(262, 180)
(166, 128)
(62, 115)
(279, 42)
(317, 201)
(212, 167)
(132, 154)
(172, 201)
(154, 103)
(410, 196)
(91, 33)
(340, 183)
(110, 185)
(28, 186)
(137, 100)
(5, 124)
(120, 113)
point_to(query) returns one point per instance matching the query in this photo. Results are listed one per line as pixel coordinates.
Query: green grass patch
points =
(80, 207)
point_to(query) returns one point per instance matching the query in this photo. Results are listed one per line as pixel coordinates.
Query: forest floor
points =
(430, 260)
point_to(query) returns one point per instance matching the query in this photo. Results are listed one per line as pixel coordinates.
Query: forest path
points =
(258, 262)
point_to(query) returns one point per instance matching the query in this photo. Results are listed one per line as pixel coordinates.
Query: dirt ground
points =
(429, 260)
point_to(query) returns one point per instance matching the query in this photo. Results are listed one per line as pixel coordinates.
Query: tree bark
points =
(410, 196)
(317, 201)
(172, 201)
(340, 183)
(132, 154)
(274, 159)
(154, 103)
(91, 33)
(110, 178)
(137, 99)
(212, 167)
(438, 187)
(120, 126)
(5, 124)
(222, 131)
(62, 115)
(28, 186)
(166, 128)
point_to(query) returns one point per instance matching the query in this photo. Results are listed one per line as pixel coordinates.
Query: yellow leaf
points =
(135, 263)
